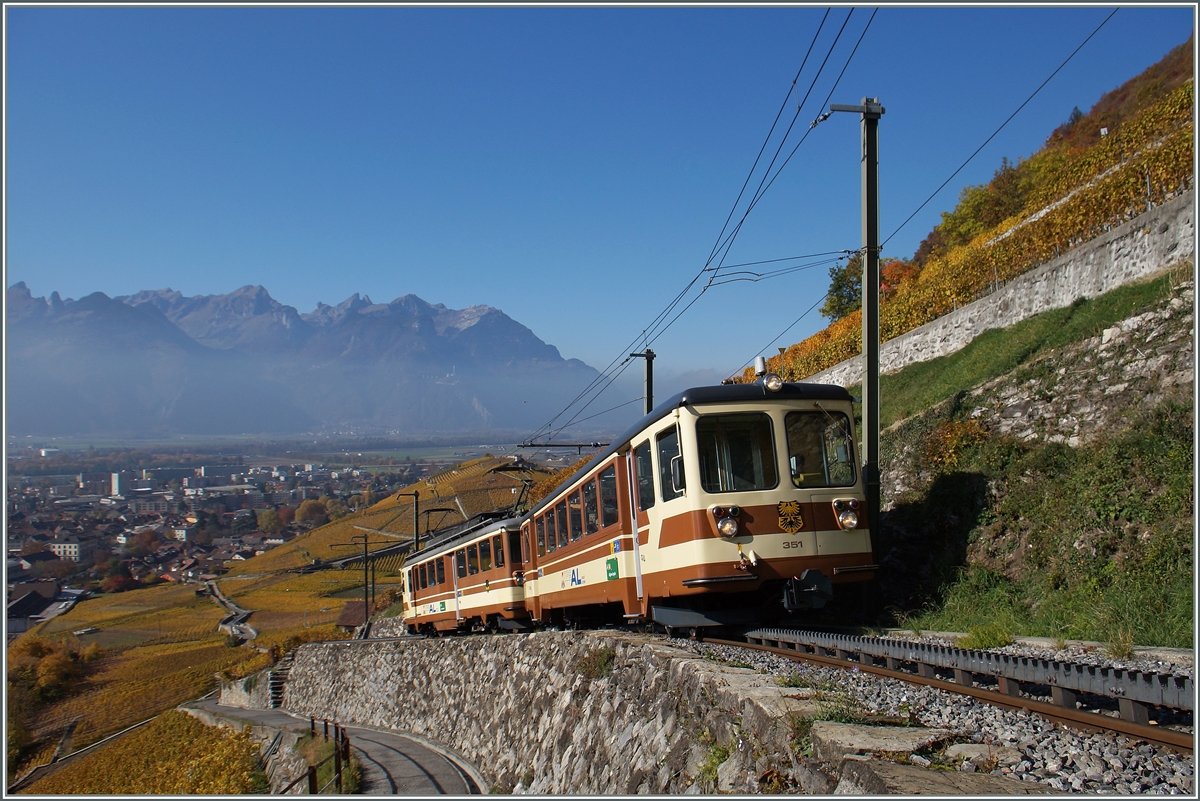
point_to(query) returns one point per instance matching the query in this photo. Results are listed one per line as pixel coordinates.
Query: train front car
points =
(752, 501)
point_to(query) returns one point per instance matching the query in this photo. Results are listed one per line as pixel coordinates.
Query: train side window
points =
(460, 557)
(576, 516)
(551, 537)
(541, 536)
(668, 449)
(472, 560)
(560, 513)
(421, 573)
(412, 579)
(590, 519)
(485, 555)
(498, 549)
(608, 496)
(645, 476)
(514, 547)
(441, 571)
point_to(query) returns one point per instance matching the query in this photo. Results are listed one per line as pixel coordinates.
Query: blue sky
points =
(571, 166)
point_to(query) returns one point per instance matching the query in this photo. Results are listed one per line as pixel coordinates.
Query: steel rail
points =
(1156, 735)
(1130, 687)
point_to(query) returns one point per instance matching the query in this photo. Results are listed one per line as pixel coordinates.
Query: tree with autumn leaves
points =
(845, 284)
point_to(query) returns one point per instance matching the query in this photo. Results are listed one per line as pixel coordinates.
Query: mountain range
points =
(159, 362)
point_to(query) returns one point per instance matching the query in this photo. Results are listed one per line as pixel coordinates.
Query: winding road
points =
(392, 763)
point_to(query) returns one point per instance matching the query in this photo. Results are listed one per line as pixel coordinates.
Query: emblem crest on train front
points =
(790, 519)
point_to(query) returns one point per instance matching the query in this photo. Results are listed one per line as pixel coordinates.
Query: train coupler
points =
(812, 589)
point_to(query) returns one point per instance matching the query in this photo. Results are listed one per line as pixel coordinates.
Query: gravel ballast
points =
(1064, 759)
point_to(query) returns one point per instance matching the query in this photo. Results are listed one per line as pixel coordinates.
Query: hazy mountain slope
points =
(97, 365)
(160, 362)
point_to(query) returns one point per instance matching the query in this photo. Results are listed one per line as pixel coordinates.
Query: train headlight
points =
(727, 526)
(848, 520)
(772, 382)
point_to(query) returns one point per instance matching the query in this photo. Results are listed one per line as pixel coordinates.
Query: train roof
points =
(719, 393)
(450, 541)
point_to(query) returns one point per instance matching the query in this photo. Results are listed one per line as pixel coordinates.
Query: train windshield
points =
(820, 451)
(737, 452)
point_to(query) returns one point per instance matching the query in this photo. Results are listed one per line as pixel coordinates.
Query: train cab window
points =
(645, 476)
(820, 451)
(608, 496)
(541, 536)
(514, 547)
(737, 452)
(590, 520)
(441, 571)
(498, 549)
(576, 509)
(560, 514)
(668, 449)
(472, 560)
(485, 555)
(460, 557)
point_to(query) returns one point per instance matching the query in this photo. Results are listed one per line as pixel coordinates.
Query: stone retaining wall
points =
(521, 708)
(1139, 248)
(252, 692)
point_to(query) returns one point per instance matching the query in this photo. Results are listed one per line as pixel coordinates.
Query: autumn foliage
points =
(1073, 190)
(173, 755)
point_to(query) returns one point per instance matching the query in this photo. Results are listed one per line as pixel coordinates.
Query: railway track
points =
(1082, 696)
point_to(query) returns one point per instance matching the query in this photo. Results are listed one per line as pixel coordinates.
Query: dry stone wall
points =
(1141, 247)
(531, 715)
(252, 692)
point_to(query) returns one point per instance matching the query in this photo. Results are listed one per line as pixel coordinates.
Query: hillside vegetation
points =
(1044, 487)
(173, 755)
(1079, 185)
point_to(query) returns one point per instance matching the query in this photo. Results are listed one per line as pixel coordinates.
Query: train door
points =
(642, 503)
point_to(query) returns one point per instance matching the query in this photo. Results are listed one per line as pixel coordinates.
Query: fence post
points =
(312, 780)
(337, 767)
(312, 726)
(326, 728)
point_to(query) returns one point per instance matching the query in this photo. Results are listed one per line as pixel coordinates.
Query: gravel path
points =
(1064, 759)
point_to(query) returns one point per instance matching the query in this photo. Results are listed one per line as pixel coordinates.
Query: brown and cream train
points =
(727, 504)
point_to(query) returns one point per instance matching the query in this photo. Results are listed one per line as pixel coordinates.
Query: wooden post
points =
(326, 728)
(312, 781)
(312, 726)
(337, 767)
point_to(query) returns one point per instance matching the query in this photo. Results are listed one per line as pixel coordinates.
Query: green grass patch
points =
(989, 635)
(999, 351)
(597, 663)
(717, 754)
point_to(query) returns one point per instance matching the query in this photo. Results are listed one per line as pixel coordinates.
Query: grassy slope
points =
(999, 351)
(1104, 529)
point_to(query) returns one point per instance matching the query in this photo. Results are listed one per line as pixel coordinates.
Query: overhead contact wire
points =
(1001, 128)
